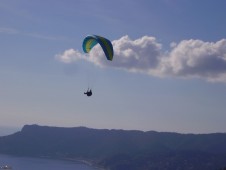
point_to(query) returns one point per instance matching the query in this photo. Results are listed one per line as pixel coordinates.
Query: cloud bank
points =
(186, 59)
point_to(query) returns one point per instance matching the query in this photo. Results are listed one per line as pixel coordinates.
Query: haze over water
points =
(26, 163)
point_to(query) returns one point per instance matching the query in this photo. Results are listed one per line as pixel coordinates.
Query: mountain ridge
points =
(137, 149)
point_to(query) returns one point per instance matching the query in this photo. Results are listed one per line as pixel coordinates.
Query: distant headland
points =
(120, 149)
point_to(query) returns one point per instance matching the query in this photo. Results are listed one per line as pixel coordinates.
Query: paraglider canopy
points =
(91, 40)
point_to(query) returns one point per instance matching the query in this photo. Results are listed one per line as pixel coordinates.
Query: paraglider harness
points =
(88, 93)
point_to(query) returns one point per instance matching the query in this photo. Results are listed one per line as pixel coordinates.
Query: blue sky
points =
(168, 72)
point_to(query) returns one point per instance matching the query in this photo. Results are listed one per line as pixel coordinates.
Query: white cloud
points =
(196, 58)
(187, 59)
(70, 56)
(138, 56)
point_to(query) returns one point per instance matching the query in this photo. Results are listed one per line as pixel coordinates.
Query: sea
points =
(28, 163)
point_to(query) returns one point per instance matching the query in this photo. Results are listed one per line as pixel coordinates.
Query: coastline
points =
(88, 162)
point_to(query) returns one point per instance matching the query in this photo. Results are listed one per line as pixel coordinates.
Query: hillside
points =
(120, 149)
